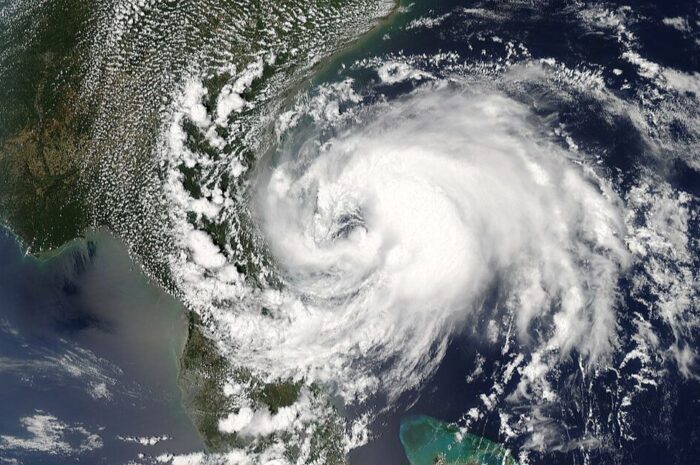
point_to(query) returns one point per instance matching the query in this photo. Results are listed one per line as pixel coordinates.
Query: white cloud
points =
(47, 434)
(647, 68)
(261, 422)
(394, 232)
(144, 440)
(393, 72)
(658, 222)
(192, 104)
(230, 99)
(353, 224)
(427, 22)
(100, 391)
(305, 420)
(248, 422)
(678, 23)
(204, 252)
(683, 82)
(97, 374)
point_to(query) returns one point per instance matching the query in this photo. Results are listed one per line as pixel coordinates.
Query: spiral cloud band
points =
(390, 235)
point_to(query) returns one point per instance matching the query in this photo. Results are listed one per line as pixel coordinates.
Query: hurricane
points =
(393, 232)
(422, 207)
(419, 206)
(378, 232)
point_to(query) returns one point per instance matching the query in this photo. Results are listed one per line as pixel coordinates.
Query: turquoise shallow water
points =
(428, 441)
(88, 340)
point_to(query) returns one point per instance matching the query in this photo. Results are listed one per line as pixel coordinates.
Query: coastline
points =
(50, 255)
(96, 332)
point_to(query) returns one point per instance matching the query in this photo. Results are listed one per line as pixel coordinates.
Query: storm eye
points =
(348, 225)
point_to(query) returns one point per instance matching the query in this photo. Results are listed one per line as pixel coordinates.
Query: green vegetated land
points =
(203, 374)
(49, 126)
(43, 126)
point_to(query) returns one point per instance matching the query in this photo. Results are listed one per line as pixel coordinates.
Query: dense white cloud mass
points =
(391, 224)
(392, 234)
(391, 220)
